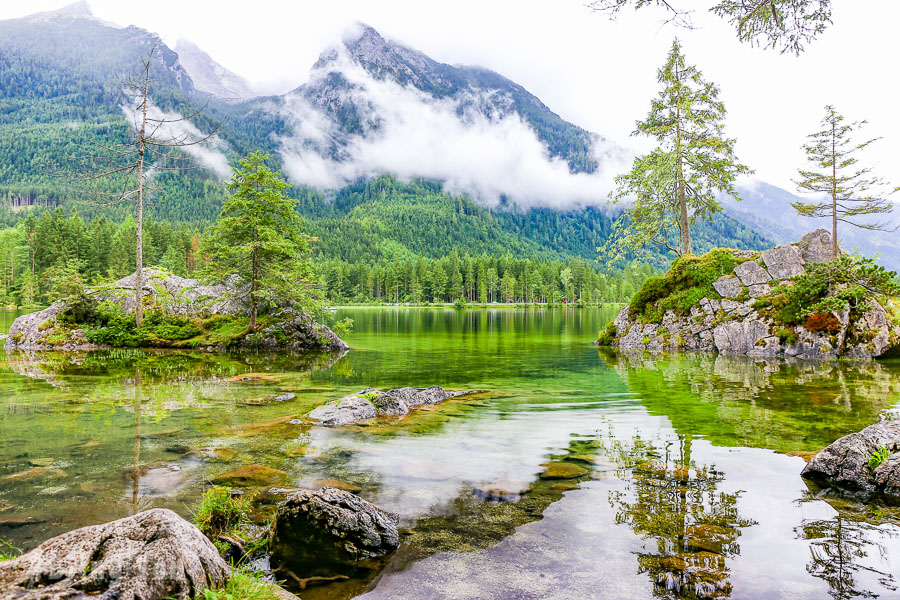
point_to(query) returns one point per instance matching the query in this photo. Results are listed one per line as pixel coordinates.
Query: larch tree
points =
(852, 191)
(784, 24)
(128, 168)
(678, 183)
(259, 237)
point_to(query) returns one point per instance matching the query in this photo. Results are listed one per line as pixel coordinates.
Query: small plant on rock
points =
(8, 551)
(243, 584)
(878, 457)
(219, 511)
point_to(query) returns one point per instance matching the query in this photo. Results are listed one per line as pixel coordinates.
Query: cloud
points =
(415, 135)
(209, 154)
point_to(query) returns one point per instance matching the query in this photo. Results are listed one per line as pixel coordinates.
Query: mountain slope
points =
(209, 76)
(529, 185)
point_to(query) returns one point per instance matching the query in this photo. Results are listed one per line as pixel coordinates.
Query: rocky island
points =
(794, 300)
(178, 313)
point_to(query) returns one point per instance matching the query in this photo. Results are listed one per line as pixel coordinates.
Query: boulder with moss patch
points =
(792, 300)
(178, 313)
(371, 402)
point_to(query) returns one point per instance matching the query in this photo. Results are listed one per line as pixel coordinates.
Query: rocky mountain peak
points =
(209, 76)
(80, 9)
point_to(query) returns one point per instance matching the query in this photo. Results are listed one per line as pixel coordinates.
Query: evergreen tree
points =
(259, 236)
(852, 191)
(677, 183)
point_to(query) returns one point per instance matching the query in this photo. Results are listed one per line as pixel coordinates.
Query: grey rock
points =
(844, 464)
(784, 262)
(329, 531)
(739, 337)
(816, 246)
(887, 478)
(388, 404)
(410, 395)
(296, 332)
(284, 397)
(727, 286)
(349, 409)
(759, 290)
(750, 273)
(152, 555)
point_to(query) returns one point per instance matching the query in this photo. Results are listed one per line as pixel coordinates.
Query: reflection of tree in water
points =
(695, 526)
(838, 548)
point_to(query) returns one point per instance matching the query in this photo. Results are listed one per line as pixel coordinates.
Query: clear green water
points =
(689, 485)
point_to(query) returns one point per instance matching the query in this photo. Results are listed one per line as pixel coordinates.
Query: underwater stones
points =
(159, 479)
(334, 483)
(727, 286)
(32, 474)
(500, 491)
(251, 476)
(349, 409)
(284, 397)
(216, 455)
(844, 464)
(150, 556)
(564, 486)
(40, 462)
(251, 378)
(561, 470)
(329, 531)
(701, 573)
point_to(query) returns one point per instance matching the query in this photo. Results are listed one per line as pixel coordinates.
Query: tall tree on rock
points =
(677, 183)
(259, 237)
(130, 165)
(852, 191)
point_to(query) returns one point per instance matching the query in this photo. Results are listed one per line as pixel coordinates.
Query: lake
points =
(688, 465)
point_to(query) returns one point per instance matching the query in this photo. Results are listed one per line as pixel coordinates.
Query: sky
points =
(596, 73)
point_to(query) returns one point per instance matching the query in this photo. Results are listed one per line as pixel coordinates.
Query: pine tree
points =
(259, 236)
(852, 191)
(677, 183)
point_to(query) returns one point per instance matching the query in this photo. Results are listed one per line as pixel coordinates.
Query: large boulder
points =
(329, 531)
(152, 555)
(179, 297)
(844, 465)
(731, 321)
(372, 402)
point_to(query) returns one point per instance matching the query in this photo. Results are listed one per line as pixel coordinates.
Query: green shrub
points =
(878, 457)
(243, 584)
(607, 337)
(219, 511)
(787, 336)
(343, 327)
(688, 281)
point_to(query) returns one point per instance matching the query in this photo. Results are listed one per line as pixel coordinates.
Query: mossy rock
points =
(562, 470)
(216, 455)
(251, 476)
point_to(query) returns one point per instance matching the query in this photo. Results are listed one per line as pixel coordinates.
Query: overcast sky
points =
(596, 73)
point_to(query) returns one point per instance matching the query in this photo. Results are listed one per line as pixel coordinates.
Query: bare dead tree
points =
(130, 166)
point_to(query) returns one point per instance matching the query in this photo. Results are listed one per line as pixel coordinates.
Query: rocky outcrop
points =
(729, 321)
(371, 402)
(845, 464)
(153, 555)
(177, 297)
(329, 531)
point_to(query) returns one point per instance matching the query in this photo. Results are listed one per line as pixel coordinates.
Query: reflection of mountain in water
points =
(772, 403)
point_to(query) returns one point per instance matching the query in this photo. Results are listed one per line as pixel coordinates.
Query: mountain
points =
(211, 77)
(477, 163)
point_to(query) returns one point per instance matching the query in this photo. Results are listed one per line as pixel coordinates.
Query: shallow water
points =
(688, 485)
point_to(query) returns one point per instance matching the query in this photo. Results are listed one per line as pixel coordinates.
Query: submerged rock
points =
(372, 402)
(153, 555)
(252, 476)
(844, 465)
(329, 531)
(216, 454)
(561, 470)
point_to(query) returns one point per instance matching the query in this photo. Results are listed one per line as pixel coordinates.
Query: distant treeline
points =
(49, 255)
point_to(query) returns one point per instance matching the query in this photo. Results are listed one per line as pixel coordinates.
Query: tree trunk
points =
(253, 281)
(139, 256)
(682, 199)
(834, 240)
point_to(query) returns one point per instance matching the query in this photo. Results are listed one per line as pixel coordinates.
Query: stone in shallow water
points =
(252, 476)
(695, 574)
(349, 409)
(153, 555)
(561, 470)
(216, 454)
(329, 531)
(32, 474)
(388, 404)
(159, 479)
(565, 486)
(501, 491)
(334, 483)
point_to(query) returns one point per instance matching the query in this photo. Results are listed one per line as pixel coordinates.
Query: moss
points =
(243, 584)
(607, 337)
(219, 511)
(787, 336)
(688, 281)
